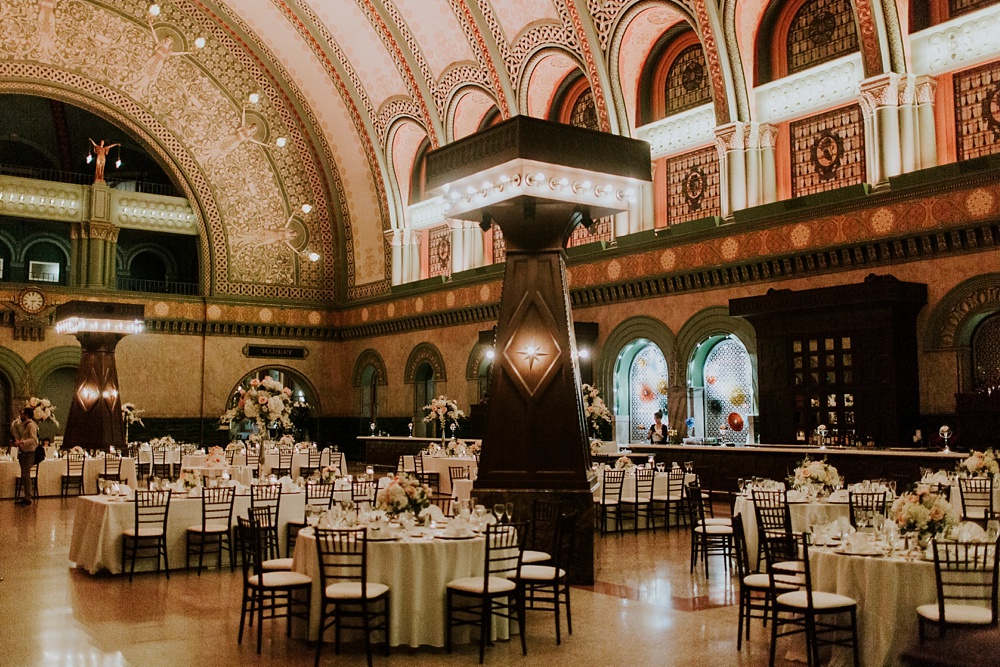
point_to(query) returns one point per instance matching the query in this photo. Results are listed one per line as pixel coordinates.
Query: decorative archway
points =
(424, 353)
(954, 320)
(13, 366)
(370, 358)
(65, 356)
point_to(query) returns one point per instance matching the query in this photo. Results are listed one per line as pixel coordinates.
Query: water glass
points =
(741, 483)
(992, 530)
(498, 511)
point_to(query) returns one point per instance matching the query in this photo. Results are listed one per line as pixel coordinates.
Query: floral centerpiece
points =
(328, 474)
(78, 451)
(923, 512)
(818, 475)
(236, 446)
(980, 464)
(443, 410)
(473, 448)
(131, 415)
(164, 442)
(265, 402)
(189, 480)
(595, 410)
(216, 458)
(42, 410)
(624, 463)
(287, 440)
(403, 494)
(596, 444)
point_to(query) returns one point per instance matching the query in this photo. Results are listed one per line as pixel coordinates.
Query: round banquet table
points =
(51, 471)
(888, 592)
(417, 571)
(820, 513)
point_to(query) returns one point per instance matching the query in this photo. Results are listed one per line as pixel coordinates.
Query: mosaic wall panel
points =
(693, 186)
(687, 81)
(728, 390)
(647, 383)
(986, 353)
(977, 111)
(599, 231)
(828, 151)
(584, 113)
(499, 245)
(439, 249)
(822, 30)
(959, 7)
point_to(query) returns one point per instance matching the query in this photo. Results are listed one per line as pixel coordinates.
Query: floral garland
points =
(442, 410)
(594, 408)
(980, 464)
(42, 410)
(403, 494)
(265, 402)
(818, 473)
(923, 512)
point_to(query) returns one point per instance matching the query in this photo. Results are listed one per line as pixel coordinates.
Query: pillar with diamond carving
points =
(95, 413)
(538, 180)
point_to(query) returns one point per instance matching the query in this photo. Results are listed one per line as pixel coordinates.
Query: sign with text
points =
(274, 352)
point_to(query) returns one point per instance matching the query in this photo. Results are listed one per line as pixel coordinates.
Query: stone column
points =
(880, 105)
(925, 89)
(768, 170)
(457, 238)
(730, 142)
(396, 243)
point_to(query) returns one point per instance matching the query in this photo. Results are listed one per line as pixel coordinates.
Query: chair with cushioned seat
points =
(774, 518)
(268, 593)
(806, 609)
(347, 592)
(319, 495)
(706, 539)
(641, 504)
(541, 540)
(431, 480)
(313, 464)
(546, 587)
(284, 467)
(271, 557)
(966, 574)
(364, 492)
(457, 472)
(608, 503)
(671, 503)
(269, 496)
(73, 477)
(148, 539)
(494, 593)
(214, 533)
(755, 587)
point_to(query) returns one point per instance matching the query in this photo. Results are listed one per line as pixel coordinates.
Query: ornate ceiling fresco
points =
(353, 88)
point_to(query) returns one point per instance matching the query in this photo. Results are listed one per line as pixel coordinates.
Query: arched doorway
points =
(986, 354)
(5, 411)
(721, 389)
(59, 387)
(369, 397)
(641, 385)
(304, 402)
(423, 392)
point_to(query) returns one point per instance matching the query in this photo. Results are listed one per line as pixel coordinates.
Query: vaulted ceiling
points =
(256, 107)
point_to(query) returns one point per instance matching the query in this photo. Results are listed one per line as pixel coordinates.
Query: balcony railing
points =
(78, 178)
(156, 286)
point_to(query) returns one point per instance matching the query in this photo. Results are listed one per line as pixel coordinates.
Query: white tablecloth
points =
(299, 460)
(441, 464)
(51, 471)
(821, 514)
(888, 591)
(99, 523)
(417, 573)
(956, 499)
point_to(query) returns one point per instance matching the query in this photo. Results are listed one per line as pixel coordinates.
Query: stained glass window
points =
(977, 111)
(687, 81)
(828, 151)
(584, 113)
(439, 241)
(728, 390)
(986, 353)
(822, 30)
(647, 390)
(499, 246)
(693, 186)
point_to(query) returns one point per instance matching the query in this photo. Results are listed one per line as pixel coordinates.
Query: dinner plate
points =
(388, 538)
(869, 553)
(454, 537)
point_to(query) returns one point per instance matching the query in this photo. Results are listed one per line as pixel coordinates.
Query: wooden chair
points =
(546, 587)
(418, 464)
(865, 506)
(112, 470)
(214, 533)
(268, 593)
(230, 456)
(33, 476)
(318, 495)
(364, 492)
(807, 609)
(347, 592)
(73, 477)
(671, 503)
(457, 472)
(641, 504)
(431, 480)
(977, 497)
(253, 461)
(272, 560)
(269, 496)
(284, 467)
(313, 464)
(706, 539)
(444, 502)
(966, 574)
(158, 466)
(541, 541)
(475, 600)
(148, 539)
(754, 587)
(609, 502)
(774, 519)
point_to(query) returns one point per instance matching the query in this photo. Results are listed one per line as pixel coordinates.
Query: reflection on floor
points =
(644, 609)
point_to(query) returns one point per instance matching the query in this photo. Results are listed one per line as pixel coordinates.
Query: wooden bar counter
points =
(385, 450)
(720, 466)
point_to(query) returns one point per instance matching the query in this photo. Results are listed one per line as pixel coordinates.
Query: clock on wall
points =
(32, 301)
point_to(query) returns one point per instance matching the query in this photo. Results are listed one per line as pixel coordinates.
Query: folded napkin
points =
(794, 496)
(241, 490)
(940, 477)
(288, 486)
(434, 512)
(195, 492)
(967, 531)
(841, 496)
(858, 543)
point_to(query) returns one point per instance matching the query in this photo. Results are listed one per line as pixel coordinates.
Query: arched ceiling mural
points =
(332, 79)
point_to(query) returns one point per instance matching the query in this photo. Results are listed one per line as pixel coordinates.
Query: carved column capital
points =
(925, 89)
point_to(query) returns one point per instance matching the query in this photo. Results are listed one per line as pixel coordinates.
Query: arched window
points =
(986, 353)
(687, 81)
(721, 377)
(641, 383)
(369, 395)
(820, 31)
(423, 392)
(483, 378)
(583, 112)
(46, 263)
(148, 266)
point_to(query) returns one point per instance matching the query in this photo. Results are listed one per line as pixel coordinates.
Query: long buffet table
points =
(385, 450)
(721, 466)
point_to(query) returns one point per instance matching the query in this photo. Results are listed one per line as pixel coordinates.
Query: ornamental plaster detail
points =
(815, 89)
(957, 44)
(680, 132)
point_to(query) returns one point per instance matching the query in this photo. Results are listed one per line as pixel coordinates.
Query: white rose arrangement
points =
(42, 410)
(595, 410)
(624, 463)
(265, 402)
(403, 494)
(815, 473)
(923, 512)
(980, 464)
(443, 410)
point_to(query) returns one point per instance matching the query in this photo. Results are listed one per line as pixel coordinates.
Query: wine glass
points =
(992, 530)
(741, 483)
(498, 511)
(509, 507)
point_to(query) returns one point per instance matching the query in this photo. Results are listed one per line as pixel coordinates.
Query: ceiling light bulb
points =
(314, 257)
(470, 190)
(254, 98)
(280, 143)
(490, 354)
(199, 43)
(154, 9)
(306, 208)
(584, 353)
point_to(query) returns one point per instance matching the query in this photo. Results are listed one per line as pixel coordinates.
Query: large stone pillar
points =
(549, 178)
(879, 100)
(730, 141)
(94, 242)
(396, 244)
(925, 90)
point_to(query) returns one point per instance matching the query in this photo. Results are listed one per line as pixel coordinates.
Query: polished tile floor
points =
(645, 609)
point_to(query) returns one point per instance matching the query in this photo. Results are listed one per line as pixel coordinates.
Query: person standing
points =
(25, 432)
(658, 431)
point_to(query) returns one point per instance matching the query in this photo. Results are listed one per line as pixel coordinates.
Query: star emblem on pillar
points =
(532, 352)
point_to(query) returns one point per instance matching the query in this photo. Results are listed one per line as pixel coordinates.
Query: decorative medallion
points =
(418, 305)
(694, 188)
(821, 28)
(390, 310)
(161, 309)
(214, 312)
(315, 317)
(365, 315)
(532, 353)
(692, 76)
(614, 270)
(444, 251)
(668, 259)
(266, 315)
(883, 220)
(979, 203)
(827, 151)
(449, 299)
(484, 293)
(729, 249)
(800, 235)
